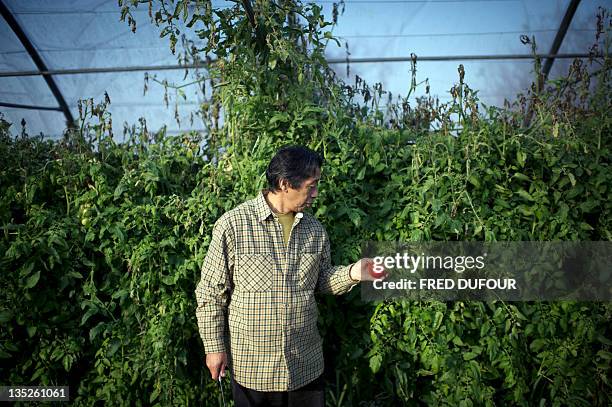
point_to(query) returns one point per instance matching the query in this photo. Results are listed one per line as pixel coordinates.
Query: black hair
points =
(295, 164)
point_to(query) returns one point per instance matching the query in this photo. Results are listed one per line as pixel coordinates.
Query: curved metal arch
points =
(27, 44)
(563, 27)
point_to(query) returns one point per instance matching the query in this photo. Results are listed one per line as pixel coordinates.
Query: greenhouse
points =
(232, 202)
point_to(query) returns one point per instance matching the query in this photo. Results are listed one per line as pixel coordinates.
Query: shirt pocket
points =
(253, 272)
(308, 272)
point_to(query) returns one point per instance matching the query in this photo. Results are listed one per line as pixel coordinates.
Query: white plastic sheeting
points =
(77, 34)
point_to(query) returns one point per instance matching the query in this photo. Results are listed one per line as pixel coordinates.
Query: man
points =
(256, 309)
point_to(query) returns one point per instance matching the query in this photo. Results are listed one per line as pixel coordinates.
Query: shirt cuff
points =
(214, 347)
(349, 274)
(352, 282)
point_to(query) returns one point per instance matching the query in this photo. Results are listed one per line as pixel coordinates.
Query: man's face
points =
(301, 198)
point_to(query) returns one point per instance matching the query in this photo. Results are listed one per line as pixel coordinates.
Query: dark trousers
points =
(311, 395)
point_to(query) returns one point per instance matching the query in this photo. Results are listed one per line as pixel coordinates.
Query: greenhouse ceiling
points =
(54, 53)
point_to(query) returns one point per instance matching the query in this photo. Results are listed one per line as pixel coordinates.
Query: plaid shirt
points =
(256, 296)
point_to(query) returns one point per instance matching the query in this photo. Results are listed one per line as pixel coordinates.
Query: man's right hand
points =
(364, 270)
(216, 363)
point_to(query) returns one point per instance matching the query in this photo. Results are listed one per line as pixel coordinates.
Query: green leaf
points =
(355, 217)
(604, 340)
(604, 355)
(74, 274)
(193, 20)
(114, 346)
(31, 331)
(168, 280)
(154, 395)
(67, 362)
(32, 280)
(88, 263)
(279, 117)
(57, 354)
(470, 355)
(11, 347)
(484, 328)
(95, 331)
(525, 195)
(437, 320)
(5, 316)
(375, 363)
(37, 374)
(361, 174)
(91, 311)
(374, 159)
(474, 181)
(120, 293)
(457, 341)
(521, 176)
(121, 188)
(537, 344)
(521, 157)
(26, 269)
(525, 210)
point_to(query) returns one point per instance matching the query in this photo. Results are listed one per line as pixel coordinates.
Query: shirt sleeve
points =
(214, 290)
(333, 279)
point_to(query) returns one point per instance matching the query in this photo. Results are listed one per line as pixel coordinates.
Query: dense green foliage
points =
(101, 241)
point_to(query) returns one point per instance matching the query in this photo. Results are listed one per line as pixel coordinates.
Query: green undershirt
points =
(286, 220)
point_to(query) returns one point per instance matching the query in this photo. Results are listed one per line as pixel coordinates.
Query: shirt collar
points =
(263, 210)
